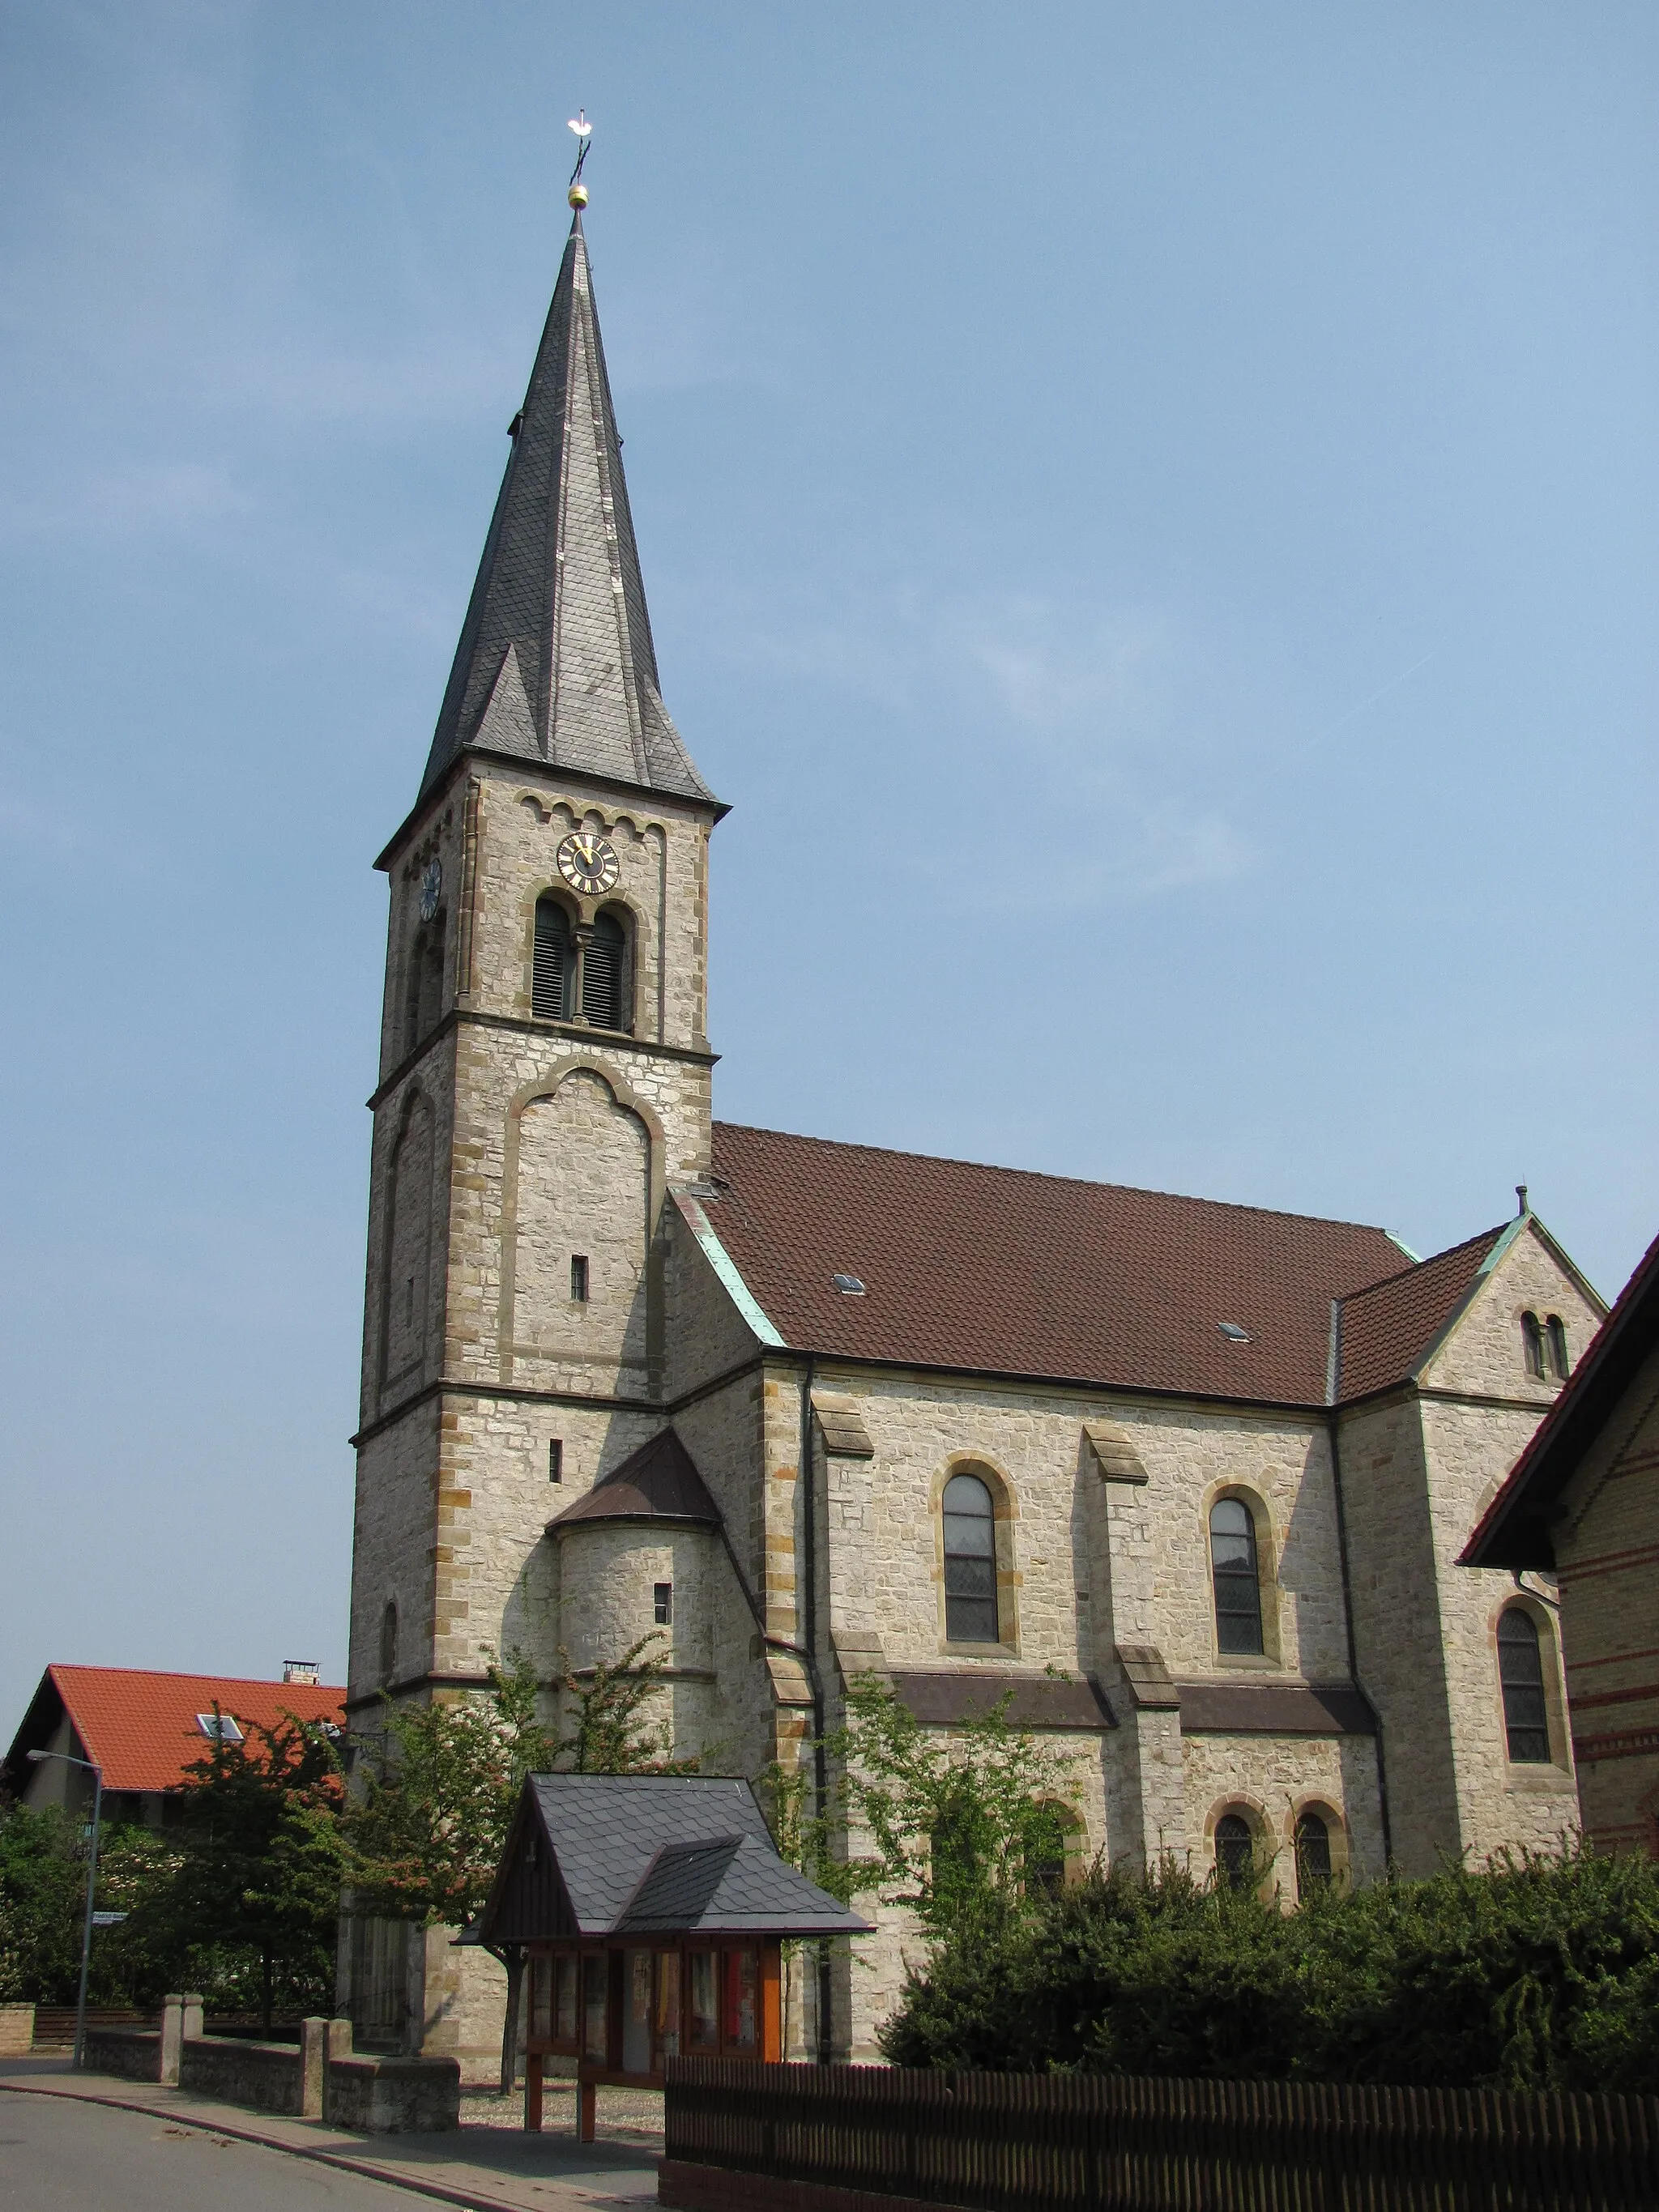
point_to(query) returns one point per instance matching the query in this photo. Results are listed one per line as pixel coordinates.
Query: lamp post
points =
(97, 1774)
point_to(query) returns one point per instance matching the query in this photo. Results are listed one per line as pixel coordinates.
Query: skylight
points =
(1233, 1333)
(218, 1728)
(848, 1285)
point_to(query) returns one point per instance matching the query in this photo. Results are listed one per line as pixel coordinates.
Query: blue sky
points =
(1149, 513)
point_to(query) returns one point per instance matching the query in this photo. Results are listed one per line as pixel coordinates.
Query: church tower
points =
(544, 1065)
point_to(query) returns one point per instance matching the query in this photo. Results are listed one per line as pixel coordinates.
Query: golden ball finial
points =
(577, 196)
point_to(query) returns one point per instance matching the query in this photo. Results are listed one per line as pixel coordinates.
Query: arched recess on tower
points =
(406, 1272)
(579, 1199)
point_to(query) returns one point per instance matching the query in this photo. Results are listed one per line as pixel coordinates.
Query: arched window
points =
(389, 1644)
(1556, 1330)
(1235, 1851)
(555, 962)
(1234, 1573)
(953, 1854)
(423, 986)
(1313, 1854)
(1046, 1840)
(1521, 1672)
(970, 1562)
(1532, 1345)
(604, 963)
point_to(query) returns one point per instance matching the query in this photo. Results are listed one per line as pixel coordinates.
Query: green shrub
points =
(41, 1901)
(1535, 1972)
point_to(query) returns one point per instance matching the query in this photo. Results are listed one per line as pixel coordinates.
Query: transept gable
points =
(1526, 1282)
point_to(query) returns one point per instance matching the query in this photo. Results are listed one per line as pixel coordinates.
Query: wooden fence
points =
(814, 2138)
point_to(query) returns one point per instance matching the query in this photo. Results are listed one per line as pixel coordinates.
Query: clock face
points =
(588, 862)
(432, 889)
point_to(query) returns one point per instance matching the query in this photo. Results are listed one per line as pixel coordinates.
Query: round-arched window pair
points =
(602, 969)
(1235, 1852)
(970, 1561)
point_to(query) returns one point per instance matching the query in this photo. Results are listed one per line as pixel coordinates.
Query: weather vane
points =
(584, 130)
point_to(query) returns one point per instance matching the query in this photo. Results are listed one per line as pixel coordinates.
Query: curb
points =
(471, 2200)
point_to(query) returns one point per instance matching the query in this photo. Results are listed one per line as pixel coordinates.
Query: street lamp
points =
(97, 1774)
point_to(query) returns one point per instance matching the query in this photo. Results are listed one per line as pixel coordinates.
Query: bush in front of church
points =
(1533, 1972)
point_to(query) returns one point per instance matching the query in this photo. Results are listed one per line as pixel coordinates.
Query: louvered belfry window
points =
(1234, 1572)
(602, 974)
(555, 959)
(970, 1566)
(1521, 1672)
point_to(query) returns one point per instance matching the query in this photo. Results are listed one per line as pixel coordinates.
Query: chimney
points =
(304, 1672)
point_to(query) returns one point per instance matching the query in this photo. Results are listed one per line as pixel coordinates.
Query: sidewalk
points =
(487, 2168)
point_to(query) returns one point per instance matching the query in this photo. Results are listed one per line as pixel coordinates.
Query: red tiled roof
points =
(140, 1728)
(1388, 1328)
(1002, 1272)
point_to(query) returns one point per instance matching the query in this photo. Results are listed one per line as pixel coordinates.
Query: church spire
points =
(556, 661)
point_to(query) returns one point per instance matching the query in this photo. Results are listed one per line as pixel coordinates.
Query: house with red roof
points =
(1187, 1480)
(144, 1730)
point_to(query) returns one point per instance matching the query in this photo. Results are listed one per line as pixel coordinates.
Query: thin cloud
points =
(1076, 710)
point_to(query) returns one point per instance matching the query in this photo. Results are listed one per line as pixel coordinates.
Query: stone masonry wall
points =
(543, 1140)
(1065, 1590)
(1396, 1605)
(1470, 1448)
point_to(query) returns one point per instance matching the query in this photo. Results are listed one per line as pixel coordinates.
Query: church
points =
(1189, 1479)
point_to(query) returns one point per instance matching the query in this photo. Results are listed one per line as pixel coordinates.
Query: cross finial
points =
(1521, 1193)
(579, 123)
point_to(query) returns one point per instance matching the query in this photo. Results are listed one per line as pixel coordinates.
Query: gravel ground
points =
(627, 2116)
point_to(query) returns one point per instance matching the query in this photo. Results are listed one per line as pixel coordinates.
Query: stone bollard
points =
(337, 2043)
(192, 2002)
(173, 2037)
(313, 2066)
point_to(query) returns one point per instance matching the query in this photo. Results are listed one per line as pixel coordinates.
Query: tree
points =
(42, 1894)
(260, 1858)
(611, 1734)
(962, 1825)
(426, 1830)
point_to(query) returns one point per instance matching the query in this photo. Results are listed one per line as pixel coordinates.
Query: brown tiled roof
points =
(945, 1699)
(1002, 1272)
(659, 1482)
(1388, 1328)
(1274, 1709)
(140, 1728)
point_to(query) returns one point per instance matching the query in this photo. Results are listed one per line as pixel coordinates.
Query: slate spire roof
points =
(556, 661)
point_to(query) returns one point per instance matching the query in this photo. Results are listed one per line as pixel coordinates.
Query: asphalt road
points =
(59, 2156)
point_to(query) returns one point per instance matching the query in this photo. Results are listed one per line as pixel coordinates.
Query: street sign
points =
(108, 1919)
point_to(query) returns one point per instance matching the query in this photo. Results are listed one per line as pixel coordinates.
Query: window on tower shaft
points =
(423, 1001)
(555, 962)
(605, 975)
(579, 1277)
(662, 1603)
